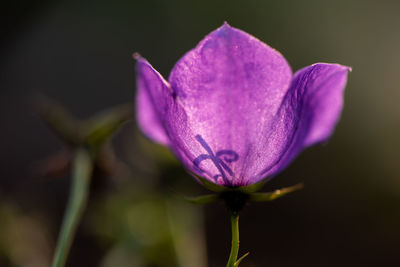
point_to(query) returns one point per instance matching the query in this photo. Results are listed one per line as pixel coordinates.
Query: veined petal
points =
(159, 113)
(327, 82)
(231, 87)
(153, 94)
(310, 110)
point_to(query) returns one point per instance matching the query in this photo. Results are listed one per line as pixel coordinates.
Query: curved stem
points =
(235, 240)
(82, 172)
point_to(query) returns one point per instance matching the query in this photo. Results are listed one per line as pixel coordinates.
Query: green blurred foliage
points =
(24, 241)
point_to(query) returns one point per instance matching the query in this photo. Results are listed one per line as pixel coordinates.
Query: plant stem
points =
(235, 240)
(82, 172)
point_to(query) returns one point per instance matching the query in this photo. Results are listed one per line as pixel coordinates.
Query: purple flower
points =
(233, 112)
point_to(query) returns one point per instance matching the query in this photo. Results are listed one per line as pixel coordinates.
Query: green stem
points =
(235, 240)
(82, 172)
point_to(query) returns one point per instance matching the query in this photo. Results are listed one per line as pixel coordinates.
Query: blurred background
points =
(79, 53)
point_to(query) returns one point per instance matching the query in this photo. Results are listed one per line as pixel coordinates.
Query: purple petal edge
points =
(151, 89)
(310, 110)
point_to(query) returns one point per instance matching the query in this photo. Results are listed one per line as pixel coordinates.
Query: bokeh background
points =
(79, 53)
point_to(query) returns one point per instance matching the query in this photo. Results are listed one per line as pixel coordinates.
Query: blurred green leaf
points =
(93, 131)
(57, 118)
(101, 127)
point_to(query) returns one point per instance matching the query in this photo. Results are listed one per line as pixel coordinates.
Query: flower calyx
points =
(236, 198)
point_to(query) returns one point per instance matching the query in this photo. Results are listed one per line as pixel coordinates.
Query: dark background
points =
(80, 54)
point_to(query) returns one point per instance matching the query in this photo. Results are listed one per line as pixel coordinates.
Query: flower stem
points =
(235, 240)
(82, 172)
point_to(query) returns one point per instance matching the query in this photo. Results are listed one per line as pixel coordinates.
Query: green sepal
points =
(269, 196)
(219, 188)
(211, 186)
(202, 200)
(251, 188)
(240, 259)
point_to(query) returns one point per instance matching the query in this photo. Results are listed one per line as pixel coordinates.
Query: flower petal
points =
(311, 110)
(152, 96)
(158, 112)
(230, 87)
